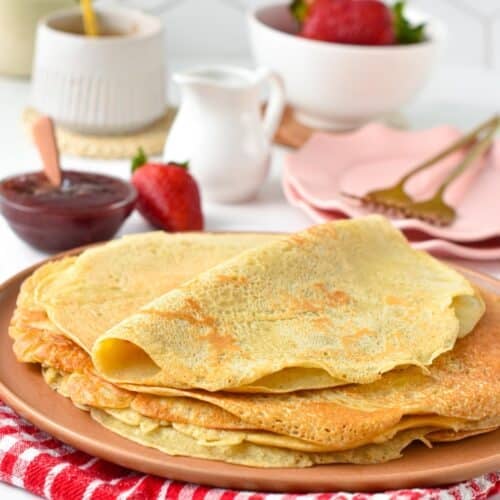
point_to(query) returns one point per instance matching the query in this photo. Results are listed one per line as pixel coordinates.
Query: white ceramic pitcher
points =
(220, 131)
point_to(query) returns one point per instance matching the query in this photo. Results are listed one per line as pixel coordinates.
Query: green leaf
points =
(299, 10)
(184, 164)
(138, 160)
(406, 32)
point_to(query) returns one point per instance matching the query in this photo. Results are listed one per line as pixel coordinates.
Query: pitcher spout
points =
(224, 77)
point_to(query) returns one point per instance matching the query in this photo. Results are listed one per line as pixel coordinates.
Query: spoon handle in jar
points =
(90, 26)
(45, 140)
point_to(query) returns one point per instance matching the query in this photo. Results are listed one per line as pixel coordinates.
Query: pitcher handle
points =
(275, 104)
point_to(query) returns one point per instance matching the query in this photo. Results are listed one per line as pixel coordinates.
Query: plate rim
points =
(236, 477)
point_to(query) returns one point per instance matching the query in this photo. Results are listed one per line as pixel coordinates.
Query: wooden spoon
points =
(45, 140)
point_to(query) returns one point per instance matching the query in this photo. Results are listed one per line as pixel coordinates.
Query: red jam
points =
(86, 208)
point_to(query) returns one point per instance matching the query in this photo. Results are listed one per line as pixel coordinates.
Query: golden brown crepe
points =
(339, 303)
(458, 396)
(463, 383)
(462, 390)
(173, 442)
(89, 294)
(256, 448)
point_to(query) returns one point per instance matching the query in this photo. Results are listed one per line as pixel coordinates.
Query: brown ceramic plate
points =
(22, 387)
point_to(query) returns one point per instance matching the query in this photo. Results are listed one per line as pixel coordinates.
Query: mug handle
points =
(275, 104)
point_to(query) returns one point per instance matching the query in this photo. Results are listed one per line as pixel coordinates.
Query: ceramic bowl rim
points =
(152, 26)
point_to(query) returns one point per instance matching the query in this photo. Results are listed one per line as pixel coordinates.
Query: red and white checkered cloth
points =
(32, 459)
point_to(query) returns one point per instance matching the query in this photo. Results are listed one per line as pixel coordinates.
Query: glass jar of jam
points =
(86, 208)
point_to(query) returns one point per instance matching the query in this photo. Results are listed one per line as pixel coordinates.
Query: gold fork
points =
(395, 201)
(435, 210)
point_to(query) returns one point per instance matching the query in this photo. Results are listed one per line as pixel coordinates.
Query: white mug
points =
(100, 85)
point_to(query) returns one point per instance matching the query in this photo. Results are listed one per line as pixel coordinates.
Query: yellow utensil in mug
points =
(90, 25)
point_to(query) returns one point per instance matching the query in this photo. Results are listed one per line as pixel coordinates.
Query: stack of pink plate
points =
(375, 157)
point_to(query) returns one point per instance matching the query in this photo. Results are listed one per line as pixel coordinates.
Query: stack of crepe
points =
(337, 344)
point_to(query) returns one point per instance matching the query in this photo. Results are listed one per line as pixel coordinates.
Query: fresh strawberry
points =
(168, 196)
(359, 22)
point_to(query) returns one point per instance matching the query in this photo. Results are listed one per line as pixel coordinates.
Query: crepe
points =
(89, 294)
(462, 384)
(173, 442)
(458, 396)
(340, 303)
(252, 447)
(461, 390)
(256, 448)
(86, 392)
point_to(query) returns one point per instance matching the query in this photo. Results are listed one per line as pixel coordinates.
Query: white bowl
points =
(102, 85)
(339, 86)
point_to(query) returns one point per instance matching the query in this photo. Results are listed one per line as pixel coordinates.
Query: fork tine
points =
(385, 207)
(376, 205)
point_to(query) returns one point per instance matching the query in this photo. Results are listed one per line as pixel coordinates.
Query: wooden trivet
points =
(151, 139)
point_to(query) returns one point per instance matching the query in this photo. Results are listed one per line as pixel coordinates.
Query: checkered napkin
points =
(32, 459)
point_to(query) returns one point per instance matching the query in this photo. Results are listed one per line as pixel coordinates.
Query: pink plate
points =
(483, 250)
(376, 156)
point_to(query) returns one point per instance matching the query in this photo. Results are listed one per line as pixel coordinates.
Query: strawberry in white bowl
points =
(346, 62)
(359, 22)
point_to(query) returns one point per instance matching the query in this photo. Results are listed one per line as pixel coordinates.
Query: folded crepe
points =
(67, 369)
(87, 295)
(365, 424)
(340, 303)
(461, 384)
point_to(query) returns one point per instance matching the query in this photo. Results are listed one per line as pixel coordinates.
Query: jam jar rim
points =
(130, 198)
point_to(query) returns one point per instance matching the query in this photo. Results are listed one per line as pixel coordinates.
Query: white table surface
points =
(459, 96)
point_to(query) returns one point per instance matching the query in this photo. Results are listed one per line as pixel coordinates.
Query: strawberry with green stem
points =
(168, 196)
(360, 22)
